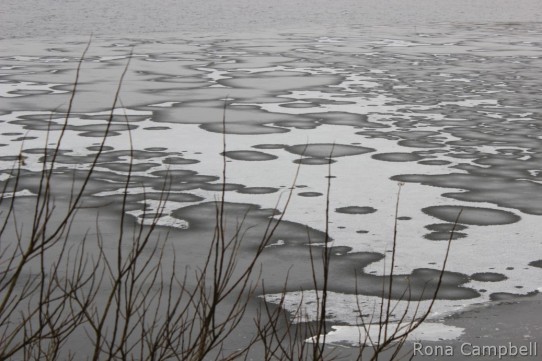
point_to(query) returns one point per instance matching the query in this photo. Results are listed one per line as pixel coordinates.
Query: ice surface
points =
(448, 115)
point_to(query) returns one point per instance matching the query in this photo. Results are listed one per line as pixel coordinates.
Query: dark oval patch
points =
(327, 150)
(434, 162)
(488, 277)
(444, 236)
(257, 190)
(472, 215)
(309, 194)
(445, 227)
(355, 210)
(249, 155)
(314, 161)
(397, 157)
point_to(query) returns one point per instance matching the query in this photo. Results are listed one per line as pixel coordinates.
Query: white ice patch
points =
(368, 334)
(280, 242)
(8, 90)
(214, 74)
(22, 193)
(164, 104)
(359, 315)
(304, 306)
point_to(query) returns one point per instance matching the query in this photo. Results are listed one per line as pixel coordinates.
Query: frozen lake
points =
(445, 103)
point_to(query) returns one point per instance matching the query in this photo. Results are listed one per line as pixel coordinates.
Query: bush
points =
(114, 290)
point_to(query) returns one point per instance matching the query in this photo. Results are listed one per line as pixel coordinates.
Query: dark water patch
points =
(182, 180)
(22, 139)
(157, 128)
(298, 124)
(12, 134)
(94, 130)
(314, 161)
(281, 82)
(98, 134)
(116, 118)
(430, 153)
(397, 157)
(242, 128)
(179, 187)
(522, 195)
(409, 138)
(444, 236)
(298, 105)
(217, 187)
(536, 263)
(504, 166)
(257, 190)
(95, 148)
(488, 277)
(179, 160)
(170, 197)
(117, 156)
(155, 149)
(335, 101)
(355, 210)
(472, 215)
(293, 258)
(137, 154)
(249, 155)
(420, 284)
(115, 203)
(245, 119)
(270, 146)
(255, 220)
(434, 162)
(507, 296)
(63, 180)
(511, 151)
(309, 194)
(126, 167)
(200, 178)
(150, 215)
(445, 227)
(174, 174)
(472, 155)
(498, 133)
(326, 150)
(12, 158)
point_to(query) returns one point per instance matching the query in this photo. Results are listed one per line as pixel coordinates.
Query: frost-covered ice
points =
(457, 126)
(428, 331)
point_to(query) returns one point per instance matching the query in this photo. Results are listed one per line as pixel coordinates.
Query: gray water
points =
(28, 18)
